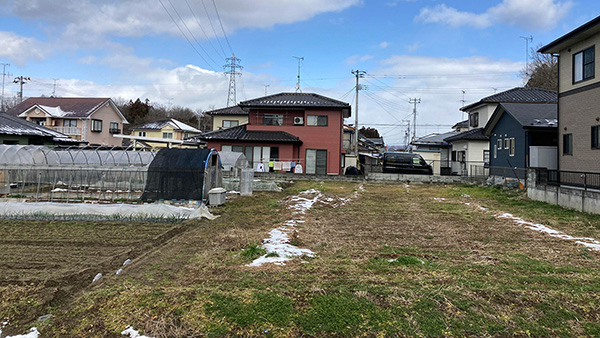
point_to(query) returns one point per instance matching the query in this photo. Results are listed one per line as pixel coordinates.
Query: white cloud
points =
(414, 47)
(384, 44)
(19, 49)
(528, 14)
(354, 59)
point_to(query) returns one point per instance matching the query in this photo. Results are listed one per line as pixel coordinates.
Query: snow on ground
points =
(588, 242)
(33, 333)
(277, 245)
(129, 331)
(125, 210)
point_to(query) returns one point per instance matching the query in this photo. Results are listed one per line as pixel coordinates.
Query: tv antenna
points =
(300, 59)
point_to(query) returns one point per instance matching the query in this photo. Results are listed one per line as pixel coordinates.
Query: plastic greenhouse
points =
(68, 174)
(233, 163)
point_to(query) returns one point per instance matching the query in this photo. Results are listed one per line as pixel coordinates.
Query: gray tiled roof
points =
(234, 110)
(158, 125)
(240, 133)
(434, 139)
(67, 107)
(473, 134)
(518, 94)
(295, 100)
(539, 115)
(11, 125)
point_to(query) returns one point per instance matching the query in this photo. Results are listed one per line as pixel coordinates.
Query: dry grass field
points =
(393, 260)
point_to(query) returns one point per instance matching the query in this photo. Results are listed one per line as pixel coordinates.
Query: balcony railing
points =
(68, 130)
(579, 179)
(114, 130)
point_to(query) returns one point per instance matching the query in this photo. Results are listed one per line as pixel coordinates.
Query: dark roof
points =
(378, 141)
(580, 33)
(11, 125)
(295, 100)
(434, 139)
(469, 135)
(529, 115)
(240, 133)
(461, 124)
(158, 125)
(65, 107)
(518, 94)
(234, 110)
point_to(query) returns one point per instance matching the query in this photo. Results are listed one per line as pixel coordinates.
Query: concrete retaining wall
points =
(567, 197)
(371, 177)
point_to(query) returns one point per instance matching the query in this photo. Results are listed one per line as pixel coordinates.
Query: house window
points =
(474, 119)
(499, 144)
(512, 146)
(316, 161)
(495, 151)
(230, 123)
(273, 120)
(142, 133)
(568, 144)
(114, 128)
(595, 137)
(317, 120)
(583, 65)
(506, 143)
(486, 157)
(69, 123)
(186, 135)
(168, 135)
(97, 125)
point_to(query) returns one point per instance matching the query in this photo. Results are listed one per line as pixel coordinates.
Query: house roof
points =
(518, 94)
(461, 124)
(469, 135)
(158, 125)
(11, 125)
(296, 100)
(64, 107)
(233, 110)
(434, 139)
(529, 115)
(378, 141)
(240, 133)
(578, 34)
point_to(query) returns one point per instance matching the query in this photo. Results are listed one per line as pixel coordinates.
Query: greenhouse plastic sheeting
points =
(42, 155)
(15, 209)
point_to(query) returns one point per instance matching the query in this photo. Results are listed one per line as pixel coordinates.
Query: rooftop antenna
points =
(233, 64)
(300, 59)
(527, 40)
(463, 103)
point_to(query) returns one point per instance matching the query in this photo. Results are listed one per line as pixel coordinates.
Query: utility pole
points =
(463, 103)
(3, 75)
(300, 59)
(527, 40)
(414, 102)
(406, 134)
(21, 80)
(359, 74)
(266, 86)
(233, 64)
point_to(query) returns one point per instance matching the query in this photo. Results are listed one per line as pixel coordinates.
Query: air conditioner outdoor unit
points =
(298, 120)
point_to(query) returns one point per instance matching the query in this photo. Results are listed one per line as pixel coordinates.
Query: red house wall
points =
(313, 137)
(287, 152)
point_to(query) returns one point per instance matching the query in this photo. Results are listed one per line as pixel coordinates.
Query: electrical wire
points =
(212, 26)
(203, 32)
(223, 29)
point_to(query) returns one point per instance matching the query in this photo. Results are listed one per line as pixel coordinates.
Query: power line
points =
(185, 36)
(203, 32)
(191, 34)
(221, 23)
(444, 75)
(212, 26)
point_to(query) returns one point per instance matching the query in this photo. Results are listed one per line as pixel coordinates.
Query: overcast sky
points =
(173, 51)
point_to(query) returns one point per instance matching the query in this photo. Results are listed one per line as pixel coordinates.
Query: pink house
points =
(287, 129)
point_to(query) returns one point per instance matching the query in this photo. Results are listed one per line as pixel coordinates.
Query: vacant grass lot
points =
(393, 261)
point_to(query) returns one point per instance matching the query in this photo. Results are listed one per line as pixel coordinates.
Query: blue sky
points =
(425, 49)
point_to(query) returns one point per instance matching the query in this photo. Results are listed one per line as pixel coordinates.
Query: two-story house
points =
(471, 148)
(288, 129)
(228, 117)
(578, 97)
(167, 133)
(92, 120)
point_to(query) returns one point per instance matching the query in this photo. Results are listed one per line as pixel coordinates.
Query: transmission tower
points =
(231, 69)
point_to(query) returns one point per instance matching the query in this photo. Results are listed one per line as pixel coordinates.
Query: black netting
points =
(178, 174)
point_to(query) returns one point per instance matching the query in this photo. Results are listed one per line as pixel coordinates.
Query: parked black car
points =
(405, 163)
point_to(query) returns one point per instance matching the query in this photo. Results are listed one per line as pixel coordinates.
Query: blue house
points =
(522, 135)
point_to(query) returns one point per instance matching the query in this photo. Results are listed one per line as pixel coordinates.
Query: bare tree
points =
(542, 71)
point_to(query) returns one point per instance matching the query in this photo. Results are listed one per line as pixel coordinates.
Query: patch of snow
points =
(129, 331)
(127, 261)
(465, 195)
(439, 199)
(119, 272)
(33, 333)
(59, 190)
(97, 277)
(590, 243)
